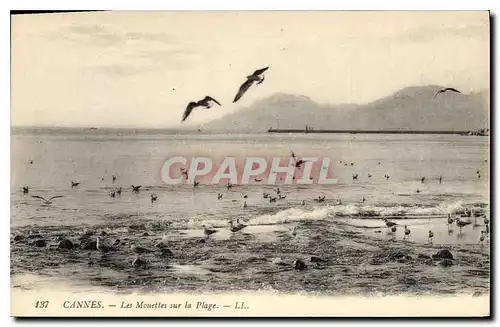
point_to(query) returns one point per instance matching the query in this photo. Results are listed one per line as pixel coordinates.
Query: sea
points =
(47, 160)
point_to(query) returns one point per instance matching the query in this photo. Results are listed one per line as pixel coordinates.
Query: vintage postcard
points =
(250, 164)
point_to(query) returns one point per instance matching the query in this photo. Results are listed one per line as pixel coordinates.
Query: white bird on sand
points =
(45, 201)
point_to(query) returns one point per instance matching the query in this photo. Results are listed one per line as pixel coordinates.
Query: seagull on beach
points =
(255, 77)
(431, 236)
(139, 249)
(236, 227)
(139, 262)
(389, 224)
(102, 247)
(393, 230)
(207, 231)
(461, 224)
(154, 197)
(162, 243)
(446, 90)
(45, 201)
(407, 232)
(320, 198)
(206, 102)
(481, 238)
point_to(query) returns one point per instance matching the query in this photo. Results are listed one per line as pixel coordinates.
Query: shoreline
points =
(333, 131)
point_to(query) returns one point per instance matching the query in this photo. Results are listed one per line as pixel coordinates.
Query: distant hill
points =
(412, 108)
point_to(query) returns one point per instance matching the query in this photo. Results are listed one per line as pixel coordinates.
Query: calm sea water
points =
(136, 158)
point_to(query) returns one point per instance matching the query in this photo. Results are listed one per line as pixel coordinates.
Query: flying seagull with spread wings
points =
(447, 89)
(45, 201)
(255, 77)
(206, 102)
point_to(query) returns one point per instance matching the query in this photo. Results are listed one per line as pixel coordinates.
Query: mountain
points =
(412, 108)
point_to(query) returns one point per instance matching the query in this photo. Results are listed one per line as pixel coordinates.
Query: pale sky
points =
(141, 69)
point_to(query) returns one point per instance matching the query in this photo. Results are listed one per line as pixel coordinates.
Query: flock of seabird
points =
(207, 102)
(468, 213)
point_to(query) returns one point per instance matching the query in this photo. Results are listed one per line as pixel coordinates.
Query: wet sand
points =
(357, 259)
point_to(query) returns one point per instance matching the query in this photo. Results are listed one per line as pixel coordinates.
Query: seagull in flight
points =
(45, 201)
(206, 102)
(255, 77)
(446, 90)
(298, 163)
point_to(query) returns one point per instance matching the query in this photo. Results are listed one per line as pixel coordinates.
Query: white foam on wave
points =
(347, 210)
(292, 214)
(357, 211)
